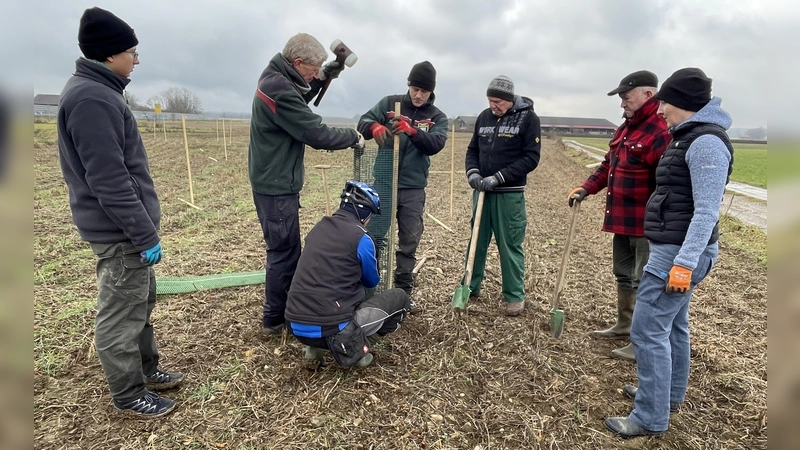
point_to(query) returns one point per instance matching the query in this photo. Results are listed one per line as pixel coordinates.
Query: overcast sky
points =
(566, 55)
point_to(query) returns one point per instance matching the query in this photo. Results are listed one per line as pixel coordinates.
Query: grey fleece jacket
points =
(708, 159)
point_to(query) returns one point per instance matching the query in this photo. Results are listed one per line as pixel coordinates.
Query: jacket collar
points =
(649, 108)
(285, 67)
(88, 69)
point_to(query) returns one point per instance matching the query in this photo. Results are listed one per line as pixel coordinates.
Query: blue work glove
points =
(474, 181)
(489, 183)
(152, 255)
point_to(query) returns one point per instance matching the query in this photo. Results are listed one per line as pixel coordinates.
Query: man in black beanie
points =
(115, 208)
(682, 224)
(505, 147)
(422, 128)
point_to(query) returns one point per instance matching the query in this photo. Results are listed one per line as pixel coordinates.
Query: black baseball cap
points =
(636, 79)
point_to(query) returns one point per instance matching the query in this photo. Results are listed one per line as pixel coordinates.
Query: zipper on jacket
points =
(136, 188)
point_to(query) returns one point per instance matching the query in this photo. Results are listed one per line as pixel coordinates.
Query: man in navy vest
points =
(682, 224)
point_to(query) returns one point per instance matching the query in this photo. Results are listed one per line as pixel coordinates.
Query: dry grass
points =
(486, 381)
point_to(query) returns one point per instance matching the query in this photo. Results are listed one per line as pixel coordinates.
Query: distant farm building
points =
(45, 104)
(558, 125)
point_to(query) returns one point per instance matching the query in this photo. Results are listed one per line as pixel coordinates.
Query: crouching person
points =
(327, 307)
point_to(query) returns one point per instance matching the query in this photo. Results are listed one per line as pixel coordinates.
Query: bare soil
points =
(484, 381)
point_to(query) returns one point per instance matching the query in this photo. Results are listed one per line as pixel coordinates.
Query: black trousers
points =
(280, 222)
(381, 314)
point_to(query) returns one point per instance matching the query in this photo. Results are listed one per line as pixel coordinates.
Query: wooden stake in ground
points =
(188, 163)
(154, 125)
(230, 133)
(452, 167)
(217, 129)
(164, 126)
(325, 167)
(393, 212)
(224, 142)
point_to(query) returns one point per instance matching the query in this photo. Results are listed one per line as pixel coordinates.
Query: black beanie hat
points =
(501, 87)
(688, 89)
(102, 34)
(423, 76)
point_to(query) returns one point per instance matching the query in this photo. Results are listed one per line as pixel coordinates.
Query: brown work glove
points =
(578, 194)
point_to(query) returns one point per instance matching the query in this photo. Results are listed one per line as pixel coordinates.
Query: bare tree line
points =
(174, 100)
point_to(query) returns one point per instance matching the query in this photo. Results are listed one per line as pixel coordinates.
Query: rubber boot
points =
(624, 353)
(626, 300)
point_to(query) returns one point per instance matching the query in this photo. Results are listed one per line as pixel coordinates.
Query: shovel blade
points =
(556, 322)
(460, 298)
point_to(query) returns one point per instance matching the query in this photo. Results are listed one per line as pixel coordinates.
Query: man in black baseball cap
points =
(628, 174)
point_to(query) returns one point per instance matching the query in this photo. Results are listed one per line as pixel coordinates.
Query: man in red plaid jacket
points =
(628, 173)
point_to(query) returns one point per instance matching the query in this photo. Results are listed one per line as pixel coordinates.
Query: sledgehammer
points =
(345, 57)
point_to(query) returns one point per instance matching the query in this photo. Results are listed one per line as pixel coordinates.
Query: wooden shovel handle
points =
(476, 227)
(562, 271)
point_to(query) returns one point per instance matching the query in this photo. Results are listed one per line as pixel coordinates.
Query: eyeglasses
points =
(134, 53)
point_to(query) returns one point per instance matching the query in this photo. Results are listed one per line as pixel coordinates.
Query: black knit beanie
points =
(501, 87)
(102, 34)
(423, 76)
(688, 89)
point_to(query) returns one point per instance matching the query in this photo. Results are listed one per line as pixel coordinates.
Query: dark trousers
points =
(630, 254)
(123, 334)
(380, 314)
(280, 222)
(410, 226)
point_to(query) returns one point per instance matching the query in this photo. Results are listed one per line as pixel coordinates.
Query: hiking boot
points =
(148, 406)
(624, 353)
(630, 391)
(627, 428)
(273, 330)
(313, 357)
(626, 300)
(413, 308)
(515, 308)
(364, 361)
(161, 380)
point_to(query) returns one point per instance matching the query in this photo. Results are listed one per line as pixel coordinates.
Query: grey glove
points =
(578, 194)
(488, 183)
(359, 145)
(474, 181)
(330, 70)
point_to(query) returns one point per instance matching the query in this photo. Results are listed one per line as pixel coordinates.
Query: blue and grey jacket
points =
(690, 182)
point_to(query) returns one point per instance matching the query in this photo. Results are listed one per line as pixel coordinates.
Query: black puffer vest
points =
(671, 207)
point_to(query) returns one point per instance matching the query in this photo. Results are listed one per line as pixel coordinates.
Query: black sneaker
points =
(160, 380)
(273, 330)
(149, 405)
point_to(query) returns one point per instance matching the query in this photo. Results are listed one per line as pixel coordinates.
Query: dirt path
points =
(742, 201)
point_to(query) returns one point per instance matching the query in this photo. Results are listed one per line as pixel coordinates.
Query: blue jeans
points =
(660, 336)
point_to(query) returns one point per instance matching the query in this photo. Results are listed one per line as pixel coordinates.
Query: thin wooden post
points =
(217, 129)
(224, 141)
(154, 126)
(164, 125)
(452, 168)
(230, 133)
(188, 163)
(393, 212)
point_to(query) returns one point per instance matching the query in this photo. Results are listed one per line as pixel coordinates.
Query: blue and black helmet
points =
(361, 195)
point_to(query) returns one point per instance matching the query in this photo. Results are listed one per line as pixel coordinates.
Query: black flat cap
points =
(636, 79)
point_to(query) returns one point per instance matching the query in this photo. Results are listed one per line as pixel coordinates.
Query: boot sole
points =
(622, 358)
(163, 386)
(611, 336)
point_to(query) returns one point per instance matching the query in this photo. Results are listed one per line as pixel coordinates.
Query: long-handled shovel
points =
(461, 294)
(557, 315)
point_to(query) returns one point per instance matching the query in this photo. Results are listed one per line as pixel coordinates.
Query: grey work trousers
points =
(123, 334)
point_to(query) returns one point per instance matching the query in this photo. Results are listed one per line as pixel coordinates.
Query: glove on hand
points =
(578, 194)
(401, 126)
(380, 133)
(330, 70)
(489, 183)
(474, 181)
(152, 255)
(679, 280)
(359, 145)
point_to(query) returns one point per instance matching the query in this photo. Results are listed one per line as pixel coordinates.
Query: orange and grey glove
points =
(380, 133)
(578, 194)
(678, 280)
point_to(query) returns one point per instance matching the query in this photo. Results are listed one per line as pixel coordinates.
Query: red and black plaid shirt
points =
(628, 170)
